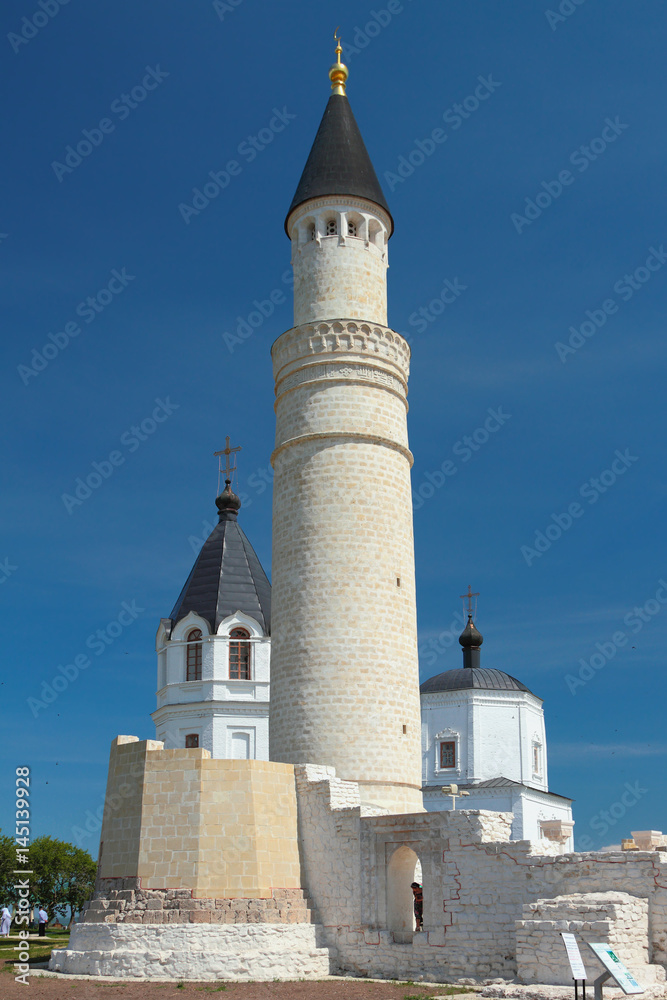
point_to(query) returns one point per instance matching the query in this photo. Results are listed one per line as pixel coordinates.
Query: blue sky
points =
(540, 199)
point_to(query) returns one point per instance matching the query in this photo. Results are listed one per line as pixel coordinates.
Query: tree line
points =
(63, 875)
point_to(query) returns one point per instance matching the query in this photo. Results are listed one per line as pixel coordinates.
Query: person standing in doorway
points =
(42, 919)
(418, 896)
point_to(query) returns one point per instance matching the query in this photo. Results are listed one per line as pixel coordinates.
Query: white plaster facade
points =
(499, 736)
(230, 717)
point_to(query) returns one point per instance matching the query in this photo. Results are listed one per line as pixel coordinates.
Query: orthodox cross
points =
(228, 469)
(465, 597)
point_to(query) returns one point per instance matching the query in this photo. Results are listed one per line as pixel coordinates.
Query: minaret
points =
(344, 684)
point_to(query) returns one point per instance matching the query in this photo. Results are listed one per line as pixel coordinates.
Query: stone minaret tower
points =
(344, 676)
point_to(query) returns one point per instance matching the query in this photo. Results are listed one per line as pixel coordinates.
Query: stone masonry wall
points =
(340, 275)
(118, 901)
(343, 615)
(475, 882)
(616, 918)
(177, 819)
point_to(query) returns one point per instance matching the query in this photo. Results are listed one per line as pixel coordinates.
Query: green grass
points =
(39, 952)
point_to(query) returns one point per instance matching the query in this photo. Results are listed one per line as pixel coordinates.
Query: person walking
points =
(43, 919)
(5, 922)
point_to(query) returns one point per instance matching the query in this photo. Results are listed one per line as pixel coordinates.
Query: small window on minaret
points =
(311, 232)
(239, 655)
(192, 741)
(194, 657)
(537, 759)
(332, 228)
(351, 229)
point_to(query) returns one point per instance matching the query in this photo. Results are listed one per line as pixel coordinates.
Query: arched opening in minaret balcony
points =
(403, 871)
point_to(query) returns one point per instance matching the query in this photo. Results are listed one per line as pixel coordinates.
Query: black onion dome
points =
(338, 162)
(228, 502)
(467, 678)
(471, 638)
(227, 575)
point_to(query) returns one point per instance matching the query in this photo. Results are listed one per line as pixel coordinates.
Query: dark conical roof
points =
(338, 162)
(227, 575)
(484, 678)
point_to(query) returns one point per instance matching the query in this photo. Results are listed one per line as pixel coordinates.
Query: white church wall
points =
(445, 719)
(537, 807)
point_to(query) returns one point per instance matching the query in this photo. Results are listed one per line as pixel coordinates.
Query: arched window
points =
(332, 228)
(193, 658)
(239, 654)
(192, 741)
(311, 231)
(351, 229)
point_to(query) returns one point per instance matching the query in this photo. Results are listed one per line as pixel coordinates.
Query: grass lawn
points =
(40, 950)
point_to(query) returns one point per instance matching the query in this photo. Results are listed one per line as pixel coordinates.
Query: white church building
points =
(484, 731)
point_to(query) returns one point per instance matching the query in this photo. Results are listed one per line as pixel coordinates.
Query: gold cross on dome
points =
(228, 469)
(468, 597)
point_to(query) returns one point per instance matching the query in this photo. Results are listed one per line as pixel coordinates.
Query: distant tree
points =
(63, 875)
(7, 866)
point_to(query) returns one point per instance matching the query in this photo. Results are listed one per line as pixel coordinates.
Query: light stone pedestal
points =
(195, 951)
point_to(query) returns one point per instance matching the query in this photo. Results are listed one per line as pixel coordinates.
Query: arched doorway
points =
(401, 870)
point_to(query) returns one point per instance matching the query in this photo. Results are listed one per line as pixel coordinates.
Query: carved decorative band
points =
(341, 336)
(347, 436)
(343, 371)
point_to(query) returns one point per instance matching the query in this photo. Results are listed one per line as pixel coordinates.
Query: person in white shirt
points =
(42, 918)
(5, 922)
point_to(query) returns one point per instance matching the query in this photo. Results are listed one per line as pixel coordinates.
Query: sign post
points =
(614, 970)
(576, 963)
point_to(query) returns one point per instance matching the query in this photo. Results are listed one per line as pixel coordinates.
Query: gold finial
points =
(338, 73)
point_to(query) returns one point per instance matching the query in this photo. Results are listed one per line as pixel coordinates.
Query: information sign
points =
(615, 967)
(574, 955)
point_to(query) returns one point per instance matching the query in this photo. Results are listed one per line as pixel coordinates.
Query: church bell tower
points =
(344, 676)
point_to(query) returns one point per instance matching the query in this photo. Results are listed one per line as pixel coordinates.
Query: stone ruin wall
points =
(476, 884)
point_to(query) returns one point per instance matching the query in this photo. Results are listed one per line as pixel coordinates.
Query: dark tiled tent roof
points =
(226, 577)
(472, 677)
(338, 162)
